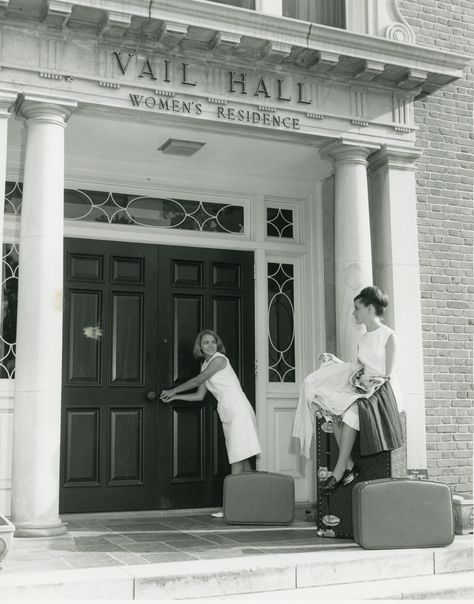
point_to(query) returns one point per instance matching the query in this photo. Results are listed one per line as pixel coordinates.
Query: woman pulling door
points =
(235, 412)
(363, 396)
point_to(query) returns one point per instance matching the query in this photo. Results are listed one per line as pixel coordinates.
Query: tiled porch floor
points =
(100, 540)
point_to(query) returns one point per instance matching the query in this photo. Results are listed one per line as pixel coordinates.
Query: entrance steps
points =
(453, 586)
(350, 573)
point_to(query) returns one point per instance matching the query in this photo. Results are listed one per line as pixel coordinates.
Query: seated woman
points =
(341, 391)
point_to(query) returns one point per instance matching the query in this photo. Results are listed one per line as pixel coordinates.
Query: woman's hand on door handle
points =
(167, 396)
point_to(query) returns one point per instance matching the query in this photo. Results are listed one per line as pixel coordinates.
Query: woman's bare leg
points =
(240, 466)
(347, 439)
(337, 435)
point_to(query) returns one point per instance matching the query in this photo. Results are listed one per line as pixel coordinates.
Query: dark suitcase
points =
(259, 498)
(334, 512)
(397, 513)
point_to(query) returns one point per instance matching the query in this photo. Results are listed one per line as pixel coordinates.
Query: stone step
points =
(453, 586)
(252, 574)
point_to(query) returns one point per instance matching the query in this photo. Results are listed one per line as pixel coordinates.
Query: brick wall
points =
(445, 218)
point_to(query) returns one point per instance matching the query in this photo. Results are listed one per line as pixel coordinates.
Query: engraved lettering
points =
(147, 70)
(136, 99)
(185, 76)
(280, 95)
(118, 56)
(242, 82)
(300, 94)
(262, 89)
(167, 66)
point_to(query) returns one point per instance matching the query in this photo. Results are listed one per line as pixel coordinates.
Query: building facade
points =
(444, 207)
(171, 166)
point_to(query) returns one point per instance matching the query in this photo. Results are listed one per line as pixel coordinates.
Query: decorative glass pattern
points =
(280, 223)
(120, 208)
(9, 310)
(281, 324)
(13, 197)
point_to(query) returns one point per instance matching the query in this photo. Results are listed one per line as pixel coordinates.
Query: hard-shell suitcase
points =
(397, 513)
(334, 512)
(259, 498)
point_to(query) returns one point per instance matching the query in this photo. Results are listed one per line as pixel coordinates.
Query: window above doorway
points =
(324, 12)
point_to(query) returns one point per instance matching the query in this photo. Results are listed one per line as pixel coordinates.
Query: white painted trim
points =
(297, 207)
(269, 7)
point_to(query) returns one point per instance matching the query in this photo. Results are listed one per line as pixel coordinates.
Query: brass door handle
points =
(151, 396)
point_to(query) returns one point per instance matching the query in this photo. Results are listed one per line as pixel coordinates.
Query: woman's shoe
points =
(350, 475)
(330, 485)
(218, 515)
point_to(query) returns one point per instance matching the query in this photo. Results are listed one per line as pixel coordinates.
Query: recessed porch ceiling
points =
(227, 33)
(233, 157)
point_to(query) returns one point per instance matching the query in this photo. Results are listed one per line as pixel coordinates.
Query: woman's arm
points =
(195, 382)
(391, 353)
(192, 396)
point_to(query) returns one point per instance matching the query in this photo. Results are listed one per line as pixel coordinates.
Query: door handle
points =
(151, 395)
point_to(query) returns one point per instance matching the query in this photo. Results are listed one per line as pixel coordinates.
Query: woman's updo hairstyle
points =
(197, 352)
(375, 296)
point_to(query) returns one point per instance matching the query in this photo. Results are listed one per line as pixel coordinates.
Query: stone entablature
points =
(336, 94)
(190, 86)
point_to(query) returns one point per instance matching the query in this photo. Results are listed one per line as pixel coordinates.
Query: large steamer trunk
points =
(334, 512)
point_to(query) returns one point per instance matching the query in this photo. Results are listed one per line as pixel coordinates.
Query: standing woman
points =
(235, 412)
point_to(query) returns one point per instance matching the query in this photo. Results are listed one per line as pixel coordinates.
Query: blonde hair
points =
(197, 352)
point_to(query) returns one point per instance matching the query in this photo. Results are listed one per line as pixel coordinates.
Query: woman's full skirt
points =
(379, 419)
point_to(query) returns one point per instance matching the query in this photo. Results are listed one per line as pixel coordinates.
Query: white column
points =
(37, 412)
(269, 7)
(353, 256)
(396, 270)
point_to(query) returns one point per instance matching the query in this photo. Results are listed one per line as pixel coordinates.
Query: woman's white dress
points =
(329, 390)
(235, 412)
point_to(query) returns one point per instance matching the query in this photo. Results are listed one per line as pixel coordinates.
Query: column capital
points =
(342, 151)
(7, 100)
(54, 110)
(392, 156)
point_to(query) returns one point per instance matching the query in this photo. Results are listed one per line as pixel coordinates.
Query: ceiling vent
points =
(177, 147)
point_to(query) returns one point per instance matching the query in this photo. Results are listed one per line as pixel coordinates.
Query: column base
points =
(40, 531)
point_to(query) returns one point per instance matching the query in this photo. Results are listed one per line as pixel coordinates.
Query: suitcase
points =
(334, 512)
(398, 513)
(259, 498)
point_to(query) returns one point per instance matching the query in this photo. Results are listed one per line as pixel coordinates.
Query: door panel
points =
(83, 359)
(109, 427)
(200, 289)
(132, 312)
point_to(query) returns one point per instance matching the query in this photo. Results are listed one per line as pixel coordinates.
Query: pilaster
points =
(37, 411)
(396, 270)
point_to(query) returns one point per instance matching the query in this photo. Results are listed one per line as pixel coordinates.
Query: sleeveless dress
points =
(235, 412)
(328, 392)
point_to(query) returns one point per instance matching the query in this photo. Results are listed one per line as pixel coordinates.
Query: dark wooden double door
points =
(131, 314)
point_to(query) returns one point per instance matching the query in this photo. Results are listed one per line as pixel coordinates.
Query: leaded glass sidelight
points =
(280, 223)
(9, 310)
(13, 197)
(281, 324)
